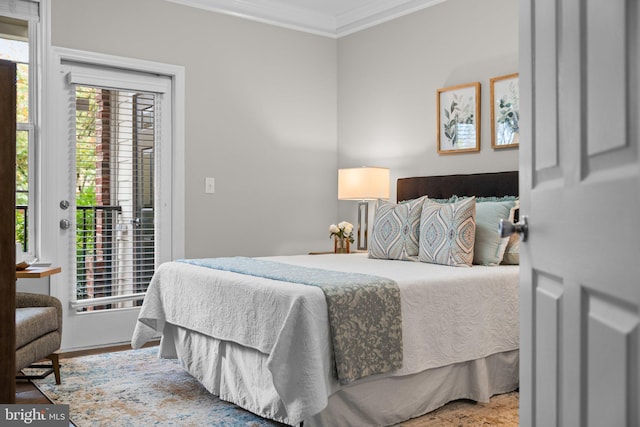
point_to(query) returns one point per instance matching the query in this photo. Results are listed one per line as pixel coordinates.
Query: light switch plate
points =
(209, 185)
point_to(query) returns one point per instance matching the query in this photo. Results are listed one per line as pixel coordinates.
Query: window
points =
(119, 124)
(115, 201)
(18, 26)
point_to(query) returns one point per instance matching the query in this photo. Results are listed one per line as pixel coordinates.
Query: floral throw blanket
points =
(364, 311)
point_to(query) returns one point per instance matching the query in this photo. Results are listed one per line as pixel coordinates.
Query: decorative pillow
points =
(447, 232)
(455, 198)
(489, 246)
(451, 199)
(396, 228)
(496, 199)
(512, 251)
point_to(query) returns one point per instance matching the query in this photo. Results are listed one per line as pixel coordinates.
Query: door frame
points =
(54, 129)
(7, 232)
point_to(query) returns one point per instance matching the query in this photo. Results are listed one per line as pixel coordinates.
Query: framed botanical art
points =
(505, 111)
(458, 118)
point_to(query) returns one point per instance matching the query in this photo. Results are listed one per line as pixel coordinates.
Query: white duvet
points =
(449, 315)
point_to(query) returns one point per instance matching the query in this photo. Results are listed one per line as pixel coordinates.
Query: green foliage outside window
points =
(22, 153)
(86, 111)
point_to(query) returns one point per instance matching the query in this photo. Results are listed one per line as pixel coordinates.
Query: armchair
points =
(38, 331)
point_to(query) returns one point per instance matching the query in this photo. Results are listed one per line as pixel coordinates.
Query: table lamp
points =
(363, 184)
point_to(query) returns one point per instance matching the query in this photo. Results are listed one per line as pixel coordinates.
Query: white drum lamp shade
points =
(365, 183)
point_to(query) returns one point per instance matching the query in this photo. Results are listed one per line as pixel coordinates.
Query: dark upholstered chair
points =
(38, 330)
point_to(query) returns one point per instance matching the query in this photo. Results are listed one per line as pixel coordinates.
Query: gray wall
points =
(260, 118)
(387, 81)
(272, 113)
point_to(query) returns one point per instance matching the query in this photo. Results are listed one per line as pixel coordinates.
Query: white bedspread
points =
(449, 315)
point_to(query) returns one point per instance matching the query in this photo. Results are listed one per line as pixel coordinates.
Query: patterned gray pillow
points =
(396, 229)
(447, 232)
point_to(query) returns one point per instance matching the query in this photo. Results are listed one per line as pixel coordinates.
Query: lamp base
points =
(363, 225)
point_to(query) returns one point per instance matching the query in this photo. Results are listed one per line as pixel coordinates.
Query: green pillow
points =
(512, 253)
(489, 247)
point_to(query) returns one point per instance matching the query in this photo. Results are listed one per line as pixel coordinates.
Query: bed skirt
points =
(239, 375)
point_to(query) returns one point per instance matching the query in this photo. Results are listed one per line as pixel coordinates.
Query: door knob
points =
(65, 224)
(506, 228)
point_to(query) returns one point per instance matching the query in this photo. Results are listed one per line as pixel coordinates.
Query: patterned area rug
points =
(501, 411)
(134, 388)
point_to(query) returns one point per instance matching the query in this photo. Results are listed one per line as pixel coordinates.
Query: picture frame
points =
(458, 118)
(505, 111)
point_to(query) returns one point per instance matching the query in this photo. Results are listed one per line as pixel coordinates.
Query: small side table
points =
(37, 272)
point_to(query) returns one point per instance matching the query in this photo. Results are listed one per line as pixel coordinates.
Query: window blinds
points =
(20, 9)
(115, 231)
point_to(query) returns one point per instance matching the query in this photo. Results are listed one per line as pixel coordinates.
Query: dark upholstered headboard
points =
(441, 187)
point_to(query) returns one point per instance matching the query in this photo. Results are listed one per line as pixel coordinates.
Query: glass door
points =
(114, 196)
(117, 190)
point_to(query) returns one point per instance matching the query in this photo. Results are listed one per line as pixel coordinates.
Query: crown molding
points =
(270, 12)
(311, 21)
(378, 12)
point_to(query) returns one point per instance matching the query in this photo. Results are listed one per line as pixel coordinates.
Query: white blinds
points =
(115, 235)
(20, 9)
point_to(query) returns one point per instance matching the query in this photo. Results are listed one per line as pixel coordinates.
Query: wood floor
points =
(27, 393)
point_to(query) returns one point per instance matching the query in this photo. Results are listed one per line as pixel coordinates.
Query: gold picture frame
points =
(458, 118)
(505, 111)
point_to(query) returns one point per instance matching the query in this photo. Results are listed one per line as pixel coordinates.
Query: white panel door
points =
(579, 185)
(114, 148)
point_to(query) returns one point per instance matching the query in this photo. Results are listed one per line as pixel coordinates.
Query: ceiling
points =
(332, 18)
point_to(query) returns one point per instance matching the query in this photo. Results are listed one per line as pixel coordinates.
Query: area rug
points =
(135, 388)
(501, 411)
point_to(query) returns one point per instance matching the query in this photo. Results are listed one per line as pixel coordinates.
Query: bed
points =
(266, 344)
